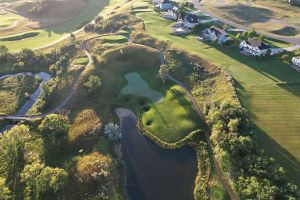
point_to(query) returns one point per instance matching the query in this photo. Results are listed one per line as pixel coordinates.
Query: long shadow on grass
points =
(283, 157)
(271, 67)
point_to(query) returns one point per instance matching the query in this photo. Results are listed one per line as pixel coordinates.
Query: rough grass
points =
(13, 90)
(272, 107)
(83, 124)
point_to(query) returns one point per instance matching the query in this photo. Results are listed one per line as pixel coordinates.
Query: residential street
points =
(294, 40)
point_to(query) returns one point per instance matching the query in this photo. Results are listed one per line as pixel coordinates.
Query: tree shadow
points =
(283, 157)
(271, 67)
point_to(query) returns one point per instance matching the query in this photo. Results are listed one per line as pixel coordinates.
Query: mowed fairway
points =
(55, 33)
(171, 116)
(137, 86)
(274, 109)
(8, 19)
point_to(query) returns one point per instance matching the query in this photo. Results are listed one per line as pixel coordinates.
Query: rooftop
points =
(257, 43)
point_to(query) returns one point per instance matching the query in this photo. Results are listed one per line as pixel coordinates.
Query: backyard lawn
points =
(274, 108)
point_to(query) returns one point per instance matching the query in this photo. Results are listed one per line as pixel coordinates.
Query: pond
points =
(154, 173)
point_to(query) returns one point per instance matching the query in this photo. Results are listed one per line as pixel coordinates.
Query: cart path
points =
(66, 99)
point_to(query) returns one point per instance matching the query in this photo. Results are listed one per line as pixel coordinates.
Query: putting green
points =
(138, 86)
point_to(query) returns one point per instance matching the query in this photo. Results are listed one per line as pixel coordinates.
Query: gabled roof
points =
(217, 30)
(257, 43)
(191, 18)
(165, 1)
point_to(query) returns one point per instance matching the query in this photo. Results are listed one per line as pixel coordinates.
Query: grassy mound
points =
(170, 120)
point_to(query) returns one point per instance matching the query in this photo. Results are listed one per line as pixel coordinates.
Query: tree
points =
(163, 73)
(3, 52)
(4, 190)
(40, 179)
(239, 36)
(89, 28)
(285, 57)
(93, 83)
(52, 179)
(262, 38)
(12, 145)
(56, 128)
(233, 124)
(113, 132)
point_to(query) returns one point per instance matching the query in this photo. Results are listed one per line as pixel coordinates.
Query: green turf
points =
(52, 34)
(80, 61)
(170, 120)
(273, 108)
(8, 19)
(137, 86)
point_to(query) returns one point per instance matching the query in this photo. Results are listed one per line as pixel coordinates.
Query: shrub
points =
(113, 132)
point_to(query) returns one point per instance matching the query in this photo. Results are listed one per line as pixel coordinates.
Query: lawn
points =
(55, 33)
(121, 72)
(273, 108)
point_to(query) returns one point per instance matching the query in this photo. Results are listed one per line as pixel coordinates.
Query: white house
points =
(296, 63)
(255, 47)
(190, 20)
(215, 33)
(165, 5)
(171, 14)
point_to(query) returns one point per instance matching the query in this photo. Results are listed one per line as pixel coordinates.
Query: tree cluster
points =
(257, 175)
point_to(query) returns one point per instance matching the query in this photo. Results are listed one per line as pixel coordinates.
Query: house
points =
(165, 5)
(214, 33)
(294, 2)
(190, 20)
(255, 47)
(172, 14)
(295, 63)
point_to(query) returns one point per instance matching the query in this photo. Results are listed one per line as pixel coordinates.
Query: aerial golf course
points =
(99, 100)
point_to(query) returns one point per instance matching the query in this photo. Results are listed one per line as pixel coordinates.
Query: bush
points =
(93, 83)
(113, 132)
(285, 58)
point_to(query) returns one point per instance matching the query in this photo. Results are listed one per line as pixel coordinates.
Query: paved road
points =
(293, 40)
(63, 103)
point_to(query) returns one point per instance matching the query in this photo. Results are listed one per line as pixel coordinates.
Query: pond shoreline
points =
(154, 172)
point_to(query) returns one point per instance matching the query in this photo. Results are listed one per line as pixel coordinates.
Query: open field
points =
(275, 17)
(272, 107)
(51, 34)
(170, 120)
